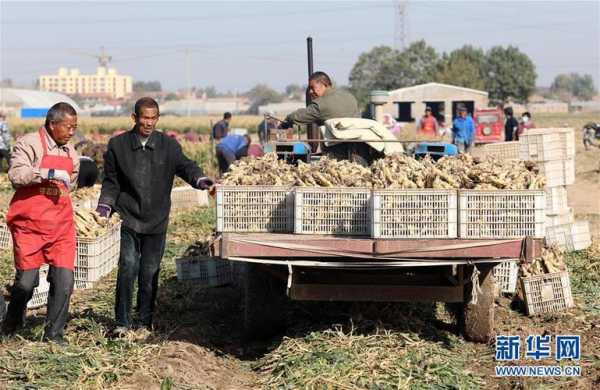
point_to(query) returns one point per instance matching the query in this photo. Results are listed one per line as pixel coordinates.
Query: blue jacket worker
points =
(230, 149)
(463, 131)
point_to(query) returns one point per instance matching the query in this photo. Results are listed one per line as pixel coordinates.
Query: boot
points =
(61, 286)
(21, 293)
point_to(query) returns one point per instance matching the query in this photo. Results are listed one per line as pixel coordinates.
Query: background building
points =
(28, 103)
(106, 82)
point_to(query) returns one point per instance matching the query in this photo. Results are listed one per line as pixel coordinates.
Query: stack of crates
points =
(553, 150)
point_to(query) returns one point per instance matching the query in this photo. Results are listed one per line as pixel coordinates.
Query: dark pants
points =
(4, 155)
(225, 157)
(140, 259)
(88, 173)
(61, 287)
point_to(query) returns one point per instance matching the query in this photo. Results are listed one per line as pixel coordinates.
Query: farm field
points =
(197, 344)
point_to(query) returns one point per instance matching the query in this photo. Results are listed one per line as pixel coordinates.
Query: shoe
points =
(120, 331)
(59, 340)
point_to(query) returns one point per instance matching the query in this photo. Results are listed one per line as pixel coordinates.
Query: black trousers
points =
(4, 155)
(139, 260)
(61, 287)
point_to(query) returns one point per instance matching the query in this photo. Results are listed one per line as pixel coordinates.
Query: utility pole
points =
(400, 24)
(188, 74)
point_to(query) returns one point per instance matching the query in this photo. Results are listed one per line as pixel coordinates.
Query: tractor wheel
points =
(263, 301)
(477, 321)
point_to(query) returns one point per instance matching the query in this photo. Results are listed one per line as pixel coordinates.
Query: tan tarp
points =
(361, 129)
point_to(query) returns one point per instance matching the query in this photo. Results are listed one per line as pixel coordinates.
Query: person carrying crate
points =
(43, 169)
(139, 168)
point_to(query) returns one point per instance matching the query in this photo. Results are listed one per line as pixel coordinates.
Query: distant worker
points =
(463, 130)
(511, 125)
(44, 168)
(230, 149)
(4, 142)
(264, 128)
(428, 125)
(328, 102)
(525, 124)
(221, 128)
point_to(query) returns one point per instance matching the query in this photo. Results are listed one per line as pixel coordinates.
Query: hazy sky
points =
(234, 45)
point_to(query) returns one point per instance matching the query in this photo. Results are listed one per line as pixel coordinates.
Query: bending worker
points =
(43, 169)
(232, 148)
(139, 169)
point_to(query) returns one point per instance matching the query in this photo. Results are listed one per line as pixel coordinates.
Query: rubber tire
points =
(477, 321)
(263, 302)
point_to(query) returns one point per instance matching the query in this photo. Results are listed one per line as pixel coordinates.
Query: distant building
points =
(213, 106)
(28, 103)
(105, 83)
(282, 109)
(408, 104)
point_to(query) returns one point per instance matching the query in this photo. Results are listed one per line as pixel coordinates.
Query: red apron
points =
(40, 219)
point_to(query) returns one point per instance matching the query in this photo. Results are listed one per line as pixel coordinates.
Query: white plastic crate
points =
(205, 271)
(548, 293)
(502, 150)
(5, 237)
(506, 275)
(414, 213)
(96, 257)
(40, 293)
(255, 209)
(332, 211)
(546, 145)
(558, 173)
(501, 213)
(560, 219)
(556, 200)
(187, 197)
(570, 237)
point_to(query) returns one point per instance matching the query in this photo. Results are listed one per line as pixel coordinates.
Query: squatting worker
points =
(43, 169)
(139, 168)
(230, 149)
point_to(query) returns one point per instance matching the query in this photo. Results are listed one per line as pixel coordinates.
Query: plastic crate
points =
(414, 213)
(558, 173)
(501, 213)
(570, 237)
(502, 150)
(548, 293)
(96, 257)
(255, 209)
(187, 197)
(204, 271)
(40, 293)
(556, 200)
(560, 219)
(506, 275)
(342, 211)
(5, 237)
(546, 145)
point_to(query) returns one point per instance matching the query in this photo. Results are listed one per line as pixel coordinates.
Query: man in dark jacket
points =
(511, 125)
(139, 168)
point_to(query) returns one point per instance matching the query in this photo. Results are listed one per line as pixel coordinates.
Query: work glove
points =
(103, 210)
(60, 175)
(204, 183)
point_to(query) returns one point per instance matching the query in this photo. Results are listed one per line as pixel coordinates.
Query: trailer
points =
(275, 267)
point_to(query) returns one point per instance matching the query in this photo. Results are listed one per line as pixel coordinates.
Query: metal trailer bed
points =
(273, 267)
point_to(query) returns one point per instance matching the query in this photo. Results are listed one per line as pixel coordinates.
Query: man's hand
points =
(204, 183)
(103, 210)
(61, 176)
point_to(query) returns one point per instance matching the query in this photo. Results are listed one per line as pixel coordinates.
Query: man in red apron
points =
(43, 169)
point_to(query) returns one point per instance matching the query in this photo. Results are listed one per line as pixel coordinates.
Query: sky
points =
(235, 45)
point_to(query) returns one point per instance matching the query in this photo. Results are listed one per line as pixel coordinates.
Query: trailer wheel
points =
(477, 321)
(263, 301)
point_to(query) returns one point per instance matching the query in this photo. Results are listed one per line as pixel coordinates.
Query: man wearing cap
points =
(428, 125)
(43, 169)
(139, 168)
(463, 130)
